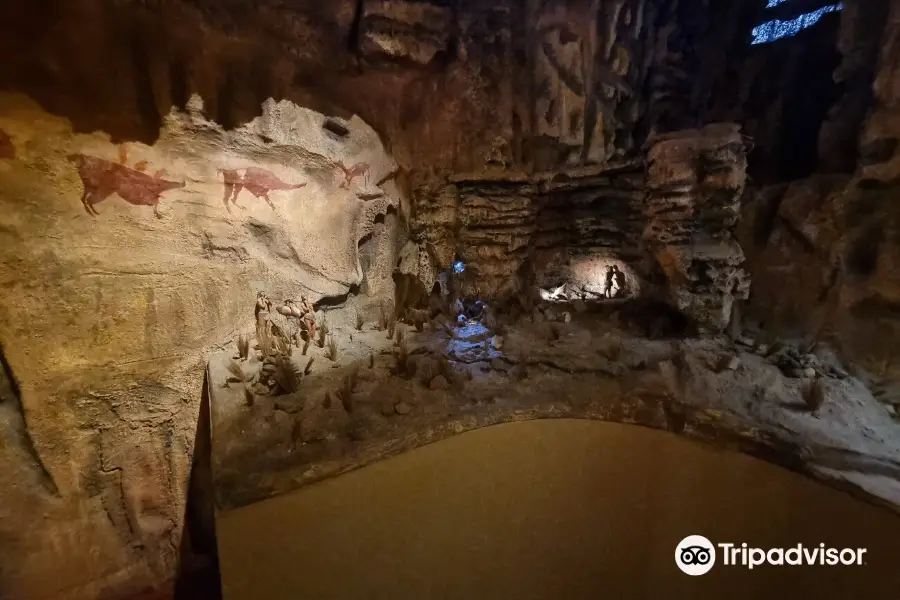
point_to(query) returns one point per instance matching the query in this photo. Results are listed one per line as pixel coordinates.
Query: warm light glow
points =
(588, 279)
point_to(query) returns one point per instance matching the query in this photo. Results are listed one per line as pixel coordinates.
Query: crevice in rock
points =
(335, 127)
(862, 258)
(11, 397)
(355, 27)
(335, 301)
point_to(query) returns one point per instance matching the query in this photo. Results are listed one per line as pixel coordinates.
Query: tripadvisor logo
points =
(696, 555)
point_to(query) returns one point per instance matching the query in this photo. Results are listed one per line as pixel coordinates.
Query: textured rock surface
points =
(550, 228)
(590, 369)
(695, 181)
(512, 126)
(111, 303)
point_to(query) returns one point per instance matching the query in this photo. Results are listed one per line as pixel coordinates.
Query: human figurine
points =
(608, 284)
(619, 280)
(263, 304)
(287, 309)
(306, 311)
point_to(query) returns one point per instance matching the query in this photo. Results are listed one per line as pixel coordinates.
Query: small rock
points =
(267, 369)
(744, 340)
(550, 314)
(260, 389)
(461, 320)
(762, 349)
(579, 306)
(439, 383)
(402, 408)
(567, 317)
(387, 407)
(537, 316)
(794, 372)
(809, 372)
(497, 342)
(729, 363)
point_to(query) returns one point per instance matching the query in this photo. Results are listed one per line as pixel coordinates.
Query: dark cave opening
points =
(790, 100)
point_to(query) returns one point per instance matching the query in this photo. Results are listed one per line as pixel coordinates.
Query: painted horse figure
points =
(103, 178)
(351, 173)
(258, 182)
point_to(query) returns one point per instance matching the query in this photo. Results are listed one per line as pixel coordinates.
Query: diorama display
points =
(249, 246)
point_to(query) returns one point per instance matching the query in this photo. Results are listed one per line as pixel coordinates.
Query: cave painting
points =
(258, 182)
(351, 173)
(103, 178)
(7, 150)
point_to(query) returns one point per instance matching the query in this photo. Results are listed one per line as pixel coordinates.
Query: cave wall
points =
(123, 266)
(834, 235)
(512, 230)
(511, 134)
(194, 109)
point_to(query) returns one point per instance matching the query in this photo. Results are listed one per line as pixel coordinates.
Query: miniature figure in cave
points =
(306, 312)
(608, 283)
(475, 310)
(263, 305)
(619, 281)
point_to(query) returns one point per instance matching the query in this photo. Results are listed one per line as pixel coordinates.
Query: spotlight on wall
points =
(459, 266)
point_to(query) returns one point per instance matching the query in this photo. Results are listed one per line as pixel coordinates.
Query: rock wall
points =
(695, 180)
(453, 86)
(123, 266)
(513, 126)
(834, 237)
(114, 297)
(551, 228)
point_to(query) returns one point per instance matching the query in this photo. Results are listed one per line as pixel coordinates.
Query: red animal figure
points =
(258, 182)
(7, 150)
(351, 173)
(103, 178)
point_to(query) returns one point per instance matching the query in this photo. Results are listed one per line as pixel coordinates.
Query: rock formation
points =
(163, 162)
(695, 180)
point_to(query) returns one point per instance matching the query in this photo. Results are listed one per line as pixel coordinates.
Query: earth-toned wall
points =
(161, 162)
(123, 265)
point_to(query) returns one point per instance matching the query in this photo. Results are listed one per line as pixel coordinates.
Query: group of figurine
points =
(302, 310)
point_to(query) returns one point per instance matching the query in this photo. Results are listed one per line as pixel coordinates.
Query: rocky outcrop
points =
(695, 180)
(415, 31)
